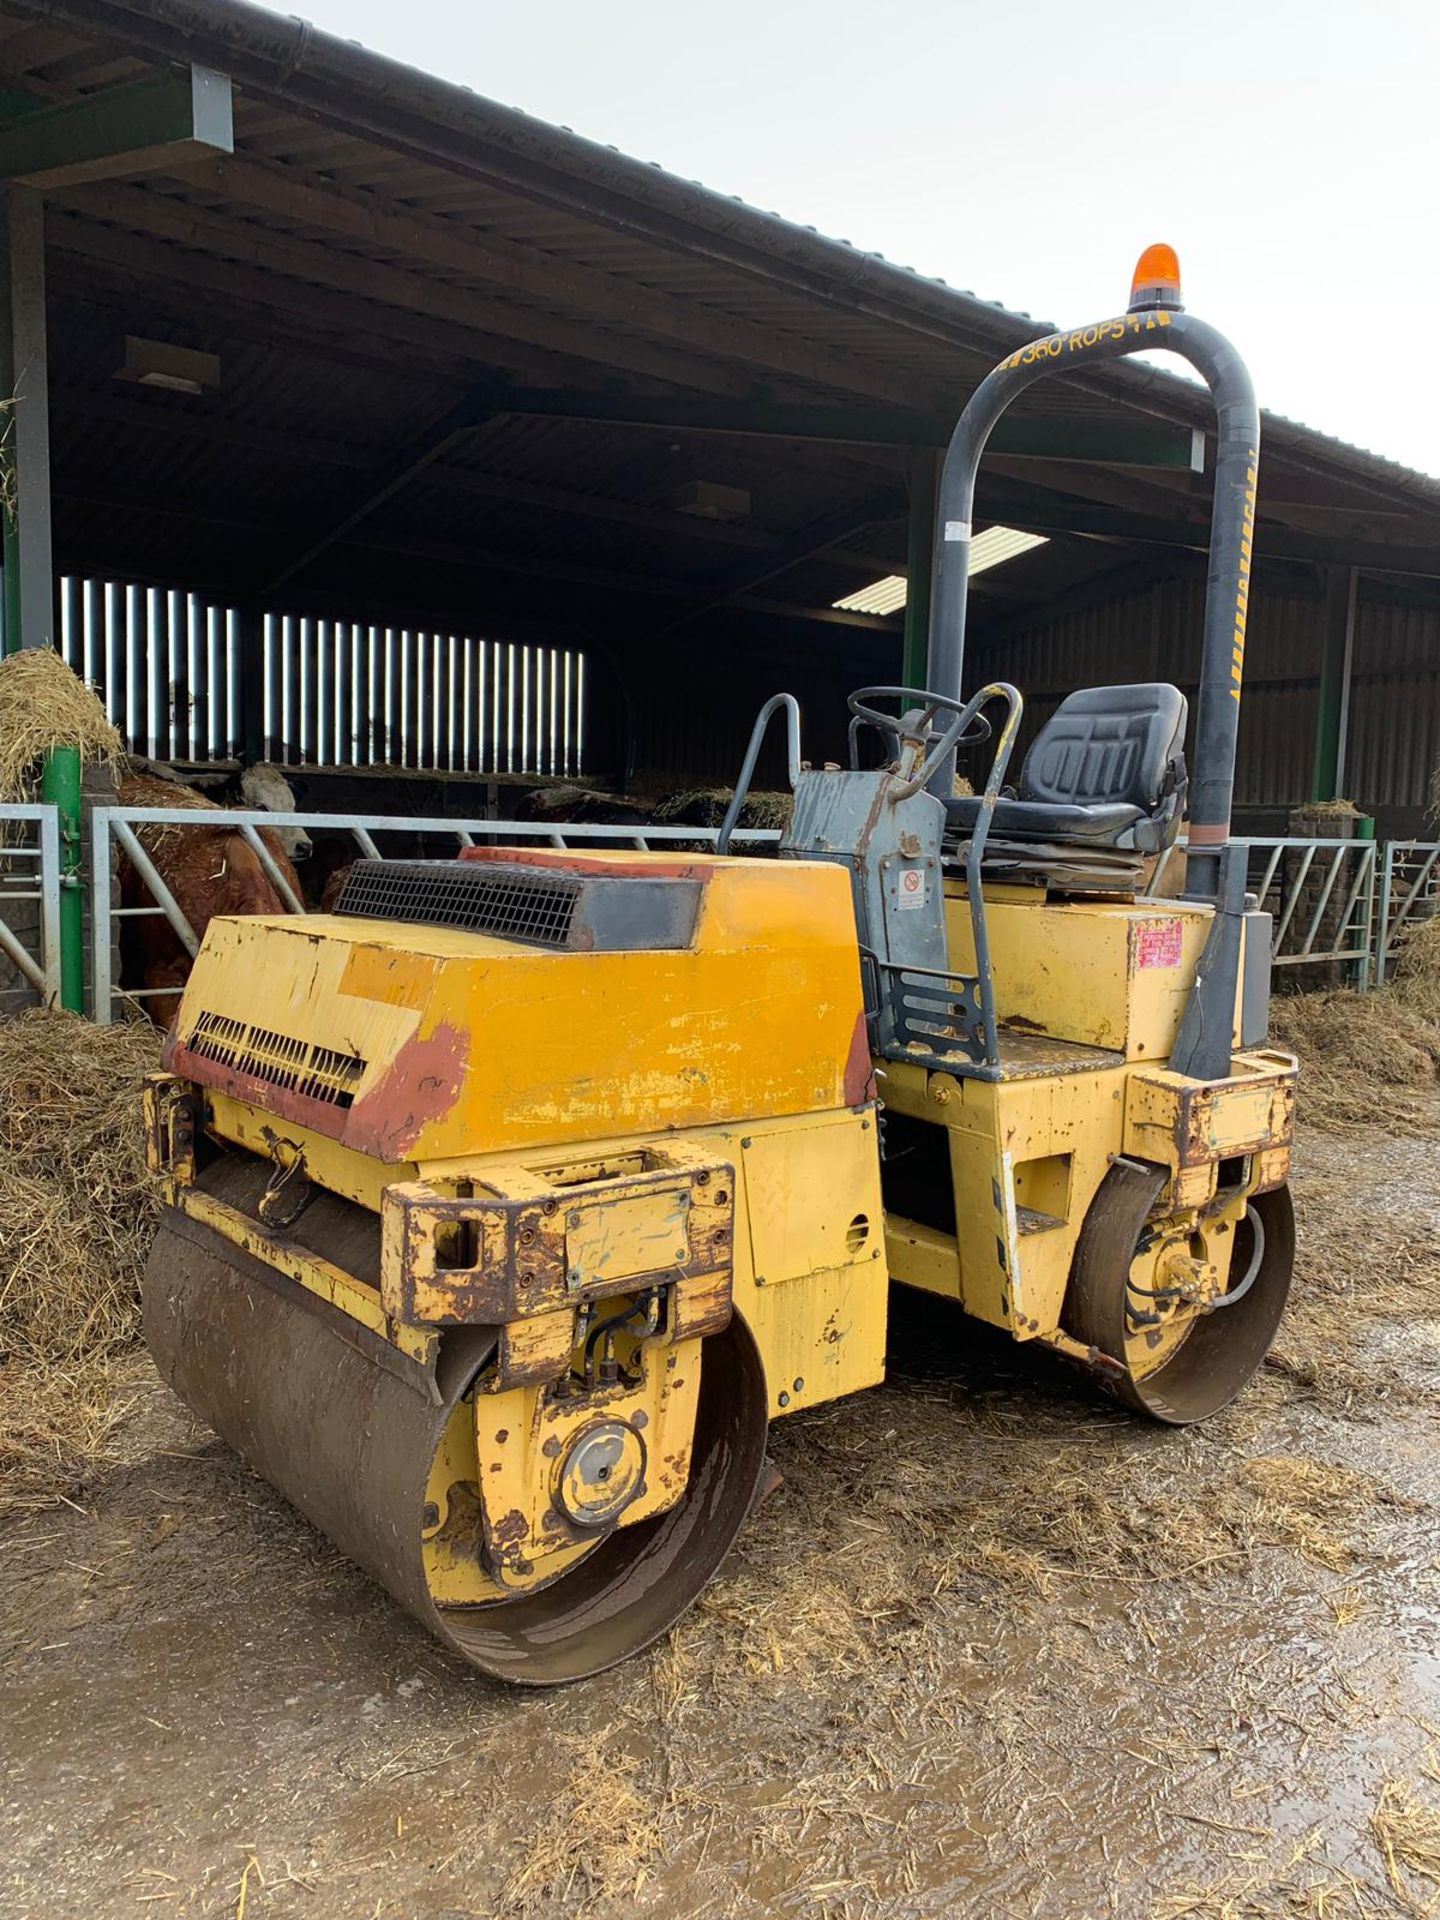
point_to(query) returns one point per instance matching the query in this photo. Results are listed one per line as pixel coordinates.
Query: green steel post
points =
(11, 556)
(9, 519)
(922, 475)
(29, 586)
(60, 788)
(1337, 648)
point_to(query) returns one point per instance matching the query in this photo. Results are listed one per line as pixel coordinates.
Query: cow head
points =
(266, 786)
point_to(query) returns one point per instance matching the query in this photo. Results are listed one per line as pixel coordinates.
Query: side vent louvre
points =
(296, 1066)
(625, 910)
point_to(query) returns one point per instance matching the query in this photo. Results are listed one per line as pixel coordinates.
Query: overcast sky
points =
(1289, 149)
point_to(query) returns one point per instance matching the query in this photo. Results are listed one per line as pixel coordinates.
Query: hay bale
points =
(44, 705)
(77, 1210)
(1367, 1060)
(1417, 971)
(707, 807)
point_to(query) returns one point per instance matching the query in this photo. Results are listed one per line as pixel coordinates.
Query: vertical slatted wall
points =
(335, 693)
(340, 693)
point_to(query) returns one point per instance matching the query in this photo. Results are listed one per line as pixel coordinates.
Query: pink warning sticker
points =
(1157, 943)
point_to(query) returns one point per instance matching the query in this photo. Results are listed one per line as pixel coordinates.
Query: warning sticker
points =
(911, 890)
(1157, 943)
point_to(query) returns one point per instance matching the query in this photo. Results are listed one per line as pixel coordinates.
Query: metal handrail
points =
(975, 853)
(752, 754)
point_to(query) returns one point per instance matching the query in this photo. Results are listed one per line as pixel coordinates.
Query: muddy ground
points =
(994, 1649)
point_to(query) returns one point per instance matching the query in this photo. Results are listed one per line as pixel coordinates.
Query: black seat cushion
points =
(1107, 768)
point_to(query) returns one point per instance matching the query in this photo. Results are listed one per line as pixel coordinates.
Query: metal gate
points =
(1320, 895)
(1409, 895)
(29, 906)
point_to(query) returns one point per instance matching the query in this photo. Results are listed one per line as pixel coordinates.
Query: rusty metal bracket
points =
(529, 1239)
(172, 1119)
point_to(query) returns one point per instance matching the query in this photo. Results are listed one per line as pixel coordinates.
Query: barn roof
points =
(467, 357)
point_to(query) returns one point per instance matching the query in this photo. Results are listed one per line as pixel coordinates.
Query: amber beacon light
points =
(1156, 281)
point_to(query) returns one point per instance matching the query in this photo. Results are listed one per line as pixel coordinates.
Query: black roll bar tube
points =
(1232, 530)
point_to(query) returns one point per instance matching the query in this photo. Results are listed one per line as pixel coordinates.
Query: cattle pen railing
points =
(1348, 904)
(1320, 895)
(30, 902)
(1409, 893)
(114, 829)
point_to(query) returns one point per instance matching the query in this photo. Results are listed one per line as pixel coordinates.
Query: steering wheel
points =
(966, 726)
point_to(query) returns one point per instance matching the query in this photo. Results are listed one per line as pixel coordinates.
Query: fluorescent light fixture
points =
(709, 500)
(998, 544)
(990, 549)
(156, 363)
(881, 596)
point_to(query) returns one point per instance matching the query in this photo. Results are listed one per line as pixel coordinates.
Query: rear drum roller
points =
(337, 1422)
(1181, 1361)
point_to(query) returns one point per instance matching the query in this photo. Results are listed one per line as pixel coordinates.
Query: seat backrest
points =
(1108, 744)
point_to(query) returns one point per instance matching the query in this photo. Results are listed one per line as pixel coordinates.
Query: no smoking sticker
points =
(911, 891)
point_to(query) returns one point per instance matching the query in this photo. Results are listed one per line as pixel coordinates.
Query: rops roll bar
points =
(1153, 320)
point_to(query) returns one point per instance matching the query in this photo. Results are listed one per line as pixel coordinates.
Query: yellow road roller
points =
(509, 1203)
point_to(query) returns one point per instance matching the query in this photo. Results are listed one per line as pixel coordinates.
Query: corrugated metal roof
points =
(384, 243)
(558, 172)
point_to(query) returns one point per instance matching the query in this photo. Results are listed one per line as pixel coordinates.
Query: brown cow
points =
(208, 870)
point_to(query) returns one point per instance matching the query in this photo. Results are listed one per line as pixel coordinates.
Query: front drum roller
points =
(1180, 1364)
(323, 1411)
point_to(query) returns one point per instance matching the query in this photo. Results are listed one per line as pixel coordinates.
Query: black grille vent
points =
(297, 1066)
(514, 903)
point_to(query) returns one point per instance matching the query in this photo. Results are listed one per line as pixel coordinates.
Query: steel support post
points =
(29, 578)
(922, 477)
(1337, 651)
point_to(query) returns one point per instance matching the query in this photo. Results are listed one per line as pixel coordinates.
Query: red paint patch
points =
(1157, 944)
(568, 861)
(421, 1084)
(859, 1068)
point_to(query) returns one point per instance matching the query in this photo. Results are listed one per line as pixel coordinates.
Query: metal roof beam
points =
(209, 241)
(169, 122)
(1035, 514)
(1105, 442)
(221, 288)
(471, 559)
(590, 506)
(530, 274)
(814, 539)
(156, 414)
(387, 480)
(147, 416)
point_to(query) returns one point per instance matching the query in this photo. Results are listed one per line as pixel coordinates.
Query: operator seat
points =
(1105, 772)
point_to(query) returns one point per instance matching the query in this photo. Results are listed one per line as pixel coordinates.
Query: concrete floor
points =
(993, 1649)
